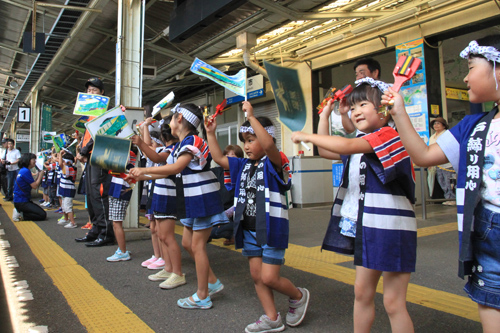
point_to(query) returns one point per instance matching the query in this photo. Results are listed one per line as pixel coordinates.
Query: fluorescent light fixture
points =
(320, 45)
(436, 3)
(385, 20)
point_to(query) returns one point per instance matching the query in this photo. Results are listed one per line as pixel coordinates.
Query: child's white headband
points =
(158, 141)
(188, 115)
(374, 83)
(249, 129)
(489, 52)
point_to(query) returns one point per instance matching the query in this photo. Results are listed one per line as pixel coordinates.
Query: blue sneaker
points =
(214, 288)
(41, 200)
(186, 303)
(119, 256)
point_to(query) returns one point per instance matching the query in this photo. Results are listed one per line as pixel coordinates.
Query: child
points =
(67, 189)
(197, 196)
(163, 209)
(262, 180)
(45, 186)
(119, 196)
(156, 143)
(472, 148)
(227, 196)
(372, 215)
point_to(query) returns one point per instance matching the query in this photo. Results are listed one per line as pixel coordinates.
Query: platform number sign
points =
(24, 115)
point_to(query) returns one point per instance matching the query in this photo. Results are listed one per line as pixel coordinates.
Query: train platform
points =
(53, 284)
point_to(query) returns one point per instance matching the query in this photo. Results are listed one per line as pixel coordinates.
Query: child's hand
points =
(211, 124)
(148, 121)
(248, 108)
(136, 140)
(327, 109)
(136, 172)
(394, 101)
(298, 137)
(343, 106)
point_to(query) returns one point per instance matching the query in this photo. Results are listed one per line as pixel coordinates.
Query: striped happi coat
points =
(197, 187)
(386, 228)
(67, 186)
(164, 191)
(274, 230)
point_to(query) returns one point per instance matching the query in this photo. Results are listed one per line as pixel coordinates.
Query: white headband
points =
(158, 141)
(489, 52)
(374, 83)
(67, 161)
(188, 115)
(161, 122)
(249, 129)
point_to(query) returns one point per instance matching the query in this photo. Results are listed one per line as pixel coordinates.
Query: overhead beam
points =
(169, 53)
(296, 15)
(87, 71)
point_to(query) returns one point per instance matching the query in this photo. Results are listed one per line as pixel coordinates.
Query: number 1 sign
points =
(24, 115)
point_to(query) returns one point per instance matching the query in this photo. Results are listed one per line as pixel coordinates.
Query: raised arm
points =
(213, 144)
(344, 114)
(420, 153)
(38, 180)
(265, 139)
(335, 144)
(164, 170)
(148, 151)
(324, 129)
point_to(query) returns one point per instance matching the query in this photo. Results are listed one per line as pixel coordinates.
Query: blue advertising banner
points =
(414, 91)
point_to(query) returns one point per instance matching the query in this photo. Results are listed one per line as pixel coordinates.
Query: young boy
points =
(67, 189)
(120, 193)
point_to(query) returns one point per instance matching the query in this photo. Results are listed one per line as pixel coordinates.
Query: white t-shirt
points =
(350, 206)
(12, 156)
(490, 187)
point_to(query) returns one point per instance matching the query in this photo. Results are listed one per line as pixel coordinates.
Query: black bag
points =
(3, 169)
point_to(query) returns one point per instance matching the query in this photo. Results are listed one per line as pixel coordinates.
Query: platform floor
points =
(74, 289)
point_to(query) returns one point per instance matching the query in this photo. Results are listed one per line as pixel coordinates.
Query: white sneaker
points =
(16, 216)
(62, 221)
(70, 225)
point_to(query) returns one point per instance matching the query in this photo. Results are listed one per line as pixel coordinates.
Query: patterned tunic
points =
(197, 187)
(386, 228)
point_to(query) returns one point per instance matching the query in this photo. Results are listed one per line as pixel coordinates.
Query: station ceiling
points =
(80, 45)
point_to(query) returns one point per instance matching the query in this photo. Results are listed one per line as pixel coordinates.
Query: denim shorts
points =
(483, 286)
(270, 255)
(202, 223)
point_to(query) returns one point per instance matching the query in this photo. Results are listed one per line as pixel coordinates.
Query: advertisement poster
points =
(414, 91)
(288, 96)
(90, 105)
(112, 123)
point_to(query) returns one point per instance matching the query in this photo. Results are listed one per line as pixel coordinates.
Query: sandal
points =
(186, 303)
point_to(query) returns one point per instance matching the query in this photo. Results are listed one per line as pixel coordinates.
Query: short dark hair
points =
(264, 121)
(371, 63)
(24, 161)
(10, 140)
(196, 110)
(490, 40)
(69, 156)
(166, 131)
(237, 150)
(365, 92)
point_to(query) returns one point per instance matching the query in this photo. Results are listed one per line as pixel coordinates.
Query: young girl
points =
(156, 143)
(472, 148)
(163, 208)
(372, 215)
(67, 189)
(197, 198)
(119, 195)
(262, 180)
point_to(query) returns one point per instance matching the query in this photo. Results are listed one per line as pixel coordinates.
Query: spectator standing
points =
(11, 159)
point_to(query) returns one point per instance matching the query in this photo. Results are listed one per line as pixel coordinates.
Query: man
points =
(366, 67)
(11, 159)
(3, 167)
(96, 186)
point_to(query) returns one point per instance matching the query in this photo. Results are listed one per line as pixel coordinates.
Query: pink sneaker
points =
(158, 264)
(149, 261)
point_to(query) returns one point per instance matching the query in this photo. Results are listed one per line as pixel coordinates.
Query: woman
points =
(22, 189)
(443, 172)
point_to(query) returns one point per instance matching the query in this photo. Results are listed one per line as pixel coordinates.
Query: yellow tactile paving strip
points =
(84, 295)
(323, 263)
(65, 271)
